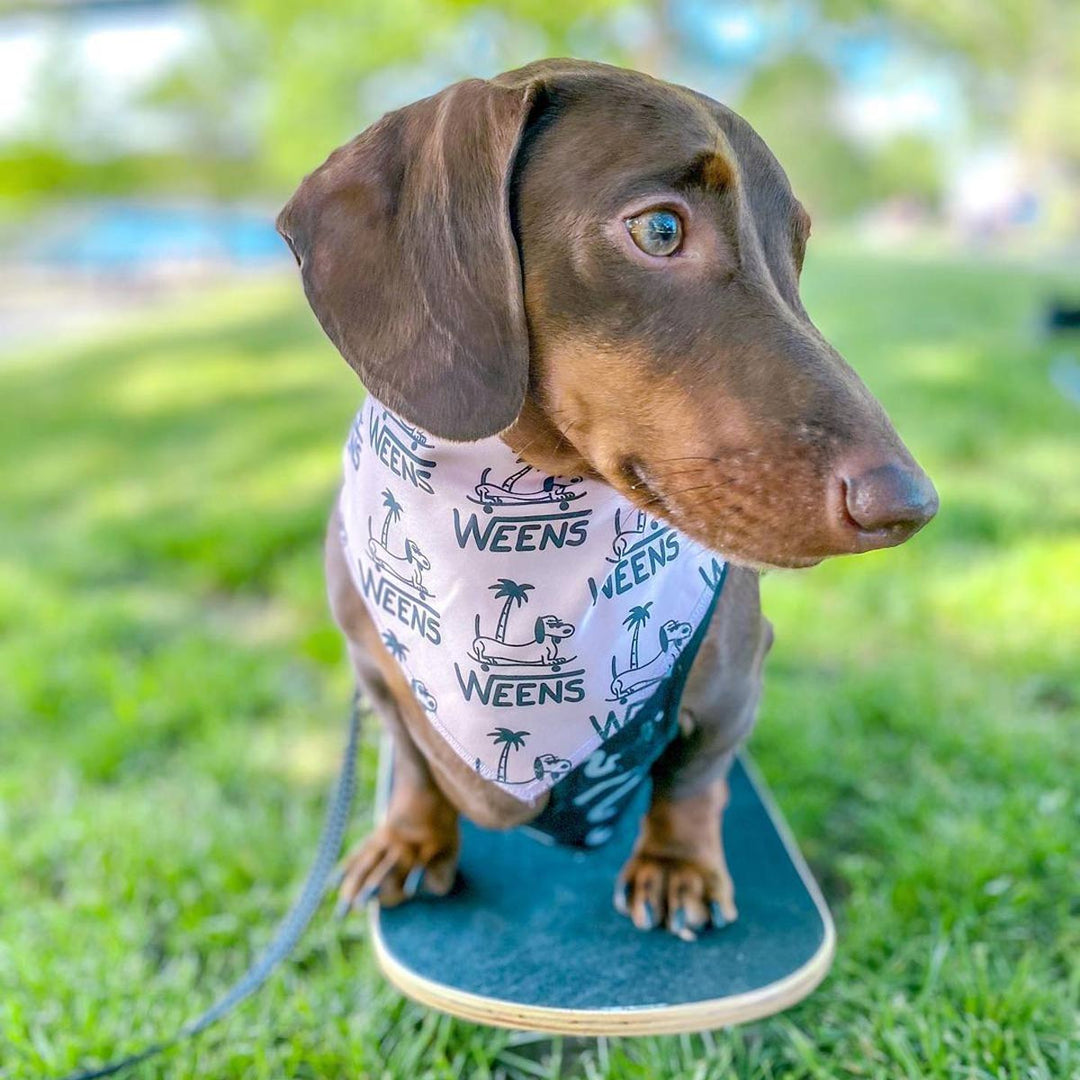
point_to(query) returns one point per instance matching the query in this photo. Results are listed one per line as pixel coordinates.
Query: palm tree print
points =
(508, 740)
(393, 513)
(510, 592)
(397, 649)
(637, 618)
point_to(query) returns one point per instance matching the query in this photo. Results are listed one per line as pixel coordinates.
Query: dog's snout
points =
(888, 503)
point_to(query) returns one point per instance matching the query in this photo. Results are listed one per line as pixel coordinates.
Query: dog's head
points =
(560, 483)
(605, 269)
(424, 696)
(548, 626)
(550, 765)
(415, 555)
(674, 635)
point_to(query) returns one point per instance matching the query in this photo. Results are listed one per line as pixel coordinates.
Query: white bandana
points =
(534, 616)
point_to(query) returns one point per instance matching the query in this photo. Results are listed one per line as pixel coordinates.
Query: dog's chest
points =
(535, 617)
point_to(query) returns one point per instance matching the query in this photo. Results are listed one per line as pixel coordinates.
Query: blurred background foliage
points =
(171, 683)
(863, 100)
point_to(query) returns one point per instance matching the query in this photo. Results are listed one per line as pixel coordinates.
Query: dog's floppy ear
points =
(539, 630)
(663, 636)
(408, 258)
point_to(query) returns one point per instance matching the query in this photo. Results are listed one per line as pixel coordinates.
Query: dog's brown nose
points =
(891, 502)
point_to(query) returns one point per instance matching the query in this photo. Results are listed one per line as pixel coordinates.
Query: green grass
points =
(173, 700)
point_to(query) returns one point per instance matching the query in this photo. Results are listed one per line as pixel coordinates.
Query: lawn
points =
(173, 700)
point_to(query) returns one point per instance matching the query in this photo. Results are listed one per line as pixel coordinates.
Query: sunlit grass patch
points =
(173, 698)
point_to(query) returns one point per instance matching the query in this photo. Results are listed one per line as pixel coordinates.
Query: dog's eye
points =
(656, 232)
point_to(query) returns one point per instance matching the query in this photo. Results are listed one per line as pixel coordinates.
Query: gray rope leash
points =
(289, 930)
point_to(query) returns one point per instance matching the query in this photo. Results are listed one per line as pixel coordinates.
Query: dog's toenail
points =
(680, 928)
(622, 897)
(717, 915)
(367, 893)
(650, 915)
(342, 907)
(413, 880)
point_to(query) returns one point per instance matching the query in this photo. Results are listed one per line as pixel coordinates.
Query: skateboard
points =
(529, 939)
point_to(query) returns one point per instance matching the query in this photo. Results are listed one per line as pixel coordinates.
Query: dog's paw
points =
(395, 864)
(683, 895)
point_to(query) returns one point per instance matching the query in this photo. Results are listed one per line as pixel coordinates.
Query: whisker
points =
(716, 459)
(563, 437)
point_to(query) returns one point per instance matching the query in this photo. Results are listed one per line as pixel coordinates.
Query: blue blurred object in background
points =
(123, 237)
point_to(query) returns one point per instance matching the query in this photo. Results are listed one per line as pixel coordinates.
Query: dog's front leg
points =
(677, 875)
(415, 847)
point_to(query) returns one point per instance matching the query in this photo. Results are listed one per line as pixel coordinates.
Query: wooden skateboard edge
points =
(633, 1020)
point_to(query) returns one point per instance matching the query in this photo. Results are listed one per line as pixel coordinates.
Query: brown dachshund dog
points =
(603, 269)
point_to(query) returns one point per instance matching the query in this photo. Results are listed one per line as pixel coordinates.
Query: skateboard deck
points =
(529, 938)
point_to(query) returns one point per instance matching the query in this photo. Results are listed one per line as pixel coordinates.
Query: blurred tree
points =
(790, 103)
(317, 58)
(269, 87)
(1024, 58)
(908, 165)
(272, 86)
(209, 95)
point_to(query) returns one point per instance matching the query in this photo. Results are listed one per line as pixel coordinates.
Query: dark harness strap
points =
(289, 930)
